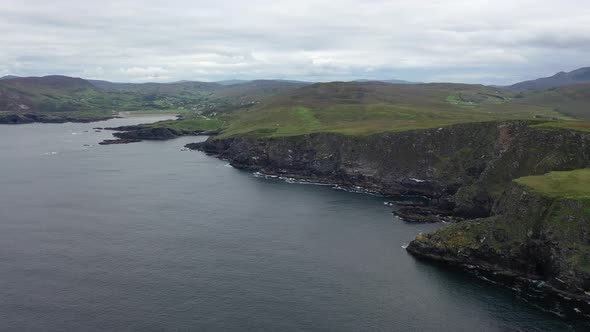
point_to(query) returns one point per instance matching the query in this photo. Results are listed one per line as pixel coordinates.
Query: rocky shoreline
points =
(138, 133)
(25, 118)
(465, 172)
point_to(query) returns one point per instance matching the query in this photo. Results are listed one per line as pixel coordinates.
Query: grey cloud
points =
(132, 40)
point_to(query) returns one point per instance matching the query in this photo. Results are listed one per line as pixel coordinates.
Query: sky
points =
(474, 41)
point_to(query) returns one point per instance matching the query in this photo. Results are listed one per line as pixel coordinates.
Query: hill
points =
(571, 100)
(577, 76)
(386, 81)
(371, 107)
(66, 94)
(48, 94)
(202, 97)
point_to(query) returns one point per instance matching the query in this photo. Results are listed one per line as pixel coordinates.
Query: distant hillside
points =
(581, 75)
(8, 77)
(67, 94)
(167, 88)
(570, 100)
(372, 107)
(387, 81)
(49, 93)
(283, 107)
(231, 82)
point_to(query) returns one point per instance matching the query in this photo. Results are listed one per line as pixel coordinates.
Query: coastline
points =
(25, 118)
(415, 163)
(491, 273)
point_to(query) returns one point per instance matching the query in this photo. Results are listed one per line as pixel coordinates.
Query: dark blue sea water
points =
(148, 237)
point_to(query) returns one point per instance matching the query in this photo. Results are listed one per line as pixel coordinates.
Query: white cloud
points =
(484, 41)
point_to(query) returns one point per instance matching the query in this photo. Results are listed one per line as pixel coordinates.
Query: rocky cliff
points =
(463, 169)
(529, 235)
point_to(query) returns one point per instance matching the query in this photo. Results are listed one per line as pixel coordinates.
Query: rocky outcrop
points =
(529, 235)
(119, 141)
(464, 172)
(149, 134)
(462, 169)
(137, 133)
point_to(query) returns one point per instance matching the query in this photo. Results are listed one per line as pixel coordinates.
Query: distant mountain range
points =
(104, 84)
(387, 81)
(577, 76)
(66, 94)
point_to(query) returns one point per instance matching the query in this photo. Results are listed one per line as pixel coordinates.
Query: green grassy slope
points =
(571, 100)
(190, 124)
(54, 94)
(568, 185)
(50, 94)
(280, 108)
(372, 107)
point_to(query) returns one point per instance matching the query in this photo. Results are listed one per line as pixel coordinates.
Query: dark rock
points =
(119, 141)
(416, 214)
(408, 203)
(455, 167)
(529, 236)
(126, 128)
(465, 170)
(149, 134)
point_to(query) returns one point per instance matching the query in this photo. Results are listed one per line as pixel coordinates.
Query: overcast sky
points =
(474, 41)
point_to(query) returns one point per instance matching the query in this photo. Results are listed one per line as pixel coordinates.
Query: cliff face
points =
(463, 168)
(528, 235)
(466, 170)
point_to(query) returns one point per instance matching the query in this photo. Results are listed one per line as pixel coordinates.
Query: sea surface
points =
(149, 237)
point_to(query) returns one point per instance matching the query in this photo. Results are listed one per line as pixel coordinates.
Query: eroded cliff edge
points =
(528, 235)
(465, 170)
(462, 168)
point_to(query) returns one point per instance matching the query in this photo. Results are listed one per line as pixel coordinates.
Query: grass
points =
(572, 101)
(270, 109)
(364, 109)
(190, 124)
(573, 185)
(173, 111)
(565, 125)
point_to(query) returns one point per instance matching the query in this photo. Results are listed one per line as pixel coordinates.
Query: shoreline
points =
(492, 274)
(363, 162)
(26, 118)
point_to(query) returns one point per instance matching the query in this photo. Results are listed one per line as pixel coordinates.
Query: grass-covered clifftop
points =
(573, 185)
(190, 124)
(540, 229)
(472, 170)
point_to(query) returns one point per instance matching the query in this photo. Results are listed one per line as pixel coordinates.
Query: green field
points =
(569, 184)
(58, 94)
(368, 108)
(190, 124)
(565, 125)
(276, 108)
